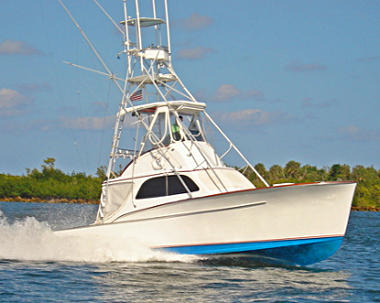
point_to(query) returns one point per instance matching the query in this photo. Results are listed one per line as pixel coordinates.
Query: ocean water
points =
(35, 266)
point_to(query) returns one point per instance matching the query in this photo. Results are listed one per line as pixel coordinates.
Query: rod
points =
(127, 36)
(168, 32)
(155, 16)
(85, 38)
(139, 42)
(93, 70)
(109, 17)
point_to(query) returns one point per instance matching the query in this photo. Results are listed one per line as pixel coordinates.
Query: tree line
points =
(50, 183)
(367, 194)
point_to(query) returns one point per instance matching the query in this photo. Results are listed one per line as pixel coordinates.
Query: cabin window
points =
(195, 127)
(165, 186)
(160, 132)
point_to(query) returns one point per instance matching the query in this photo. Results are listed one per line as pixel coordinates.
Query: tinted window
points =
(165, 186)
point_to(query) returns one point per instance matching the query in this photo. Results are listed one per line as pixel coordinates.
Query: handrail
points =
(226, 152)
(236, 149)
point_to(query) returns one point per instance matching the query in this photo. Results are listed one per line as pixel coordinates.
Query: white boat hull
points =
(299, 224)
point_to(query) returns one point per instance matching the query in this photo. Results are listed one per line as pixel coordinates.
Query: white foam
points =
(29, 239)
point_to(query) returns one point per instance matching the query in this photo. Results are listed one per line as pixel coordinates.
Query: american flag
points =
(136, 96)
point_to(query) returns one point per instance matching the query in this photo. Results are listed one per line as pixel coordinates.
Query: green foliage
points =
(50, 183)
(293, 171)
(101, 172)
(367, 194)
(49, 163)
(276, 172)
(339, 172)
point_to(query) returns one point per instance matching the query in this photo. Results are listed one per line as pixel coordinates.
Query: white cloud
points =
(226, 92)
(10, 47)
(87, 123)
(301, 67)
(93, 123)
(12, 102)
(194, 53)
(196, 22)
(253, 116)
(353, 132)
(10, 98)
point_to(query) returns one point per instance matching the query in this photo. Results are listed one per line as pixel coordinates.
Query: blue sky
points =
(286, 80)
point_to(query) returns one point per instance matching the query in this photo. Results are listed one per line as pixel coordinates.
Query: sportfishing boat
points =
(176, 192)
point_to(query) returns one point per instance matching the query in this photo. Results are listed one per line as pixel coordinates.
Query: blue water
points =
(35, 266)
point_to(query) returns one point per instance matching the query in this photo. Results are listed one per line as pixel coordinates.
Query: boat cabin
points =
(173, 161)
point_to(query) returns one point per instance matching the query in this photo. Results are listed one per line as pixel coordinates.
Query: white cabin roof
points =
(144, 21)
(182, 107)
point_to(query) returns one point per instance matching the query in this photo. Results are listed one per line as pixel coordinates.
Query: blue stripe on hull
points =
(299, 251)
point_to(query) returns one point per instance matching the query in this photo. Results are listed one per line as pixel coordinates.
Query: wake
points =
(29, 239)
